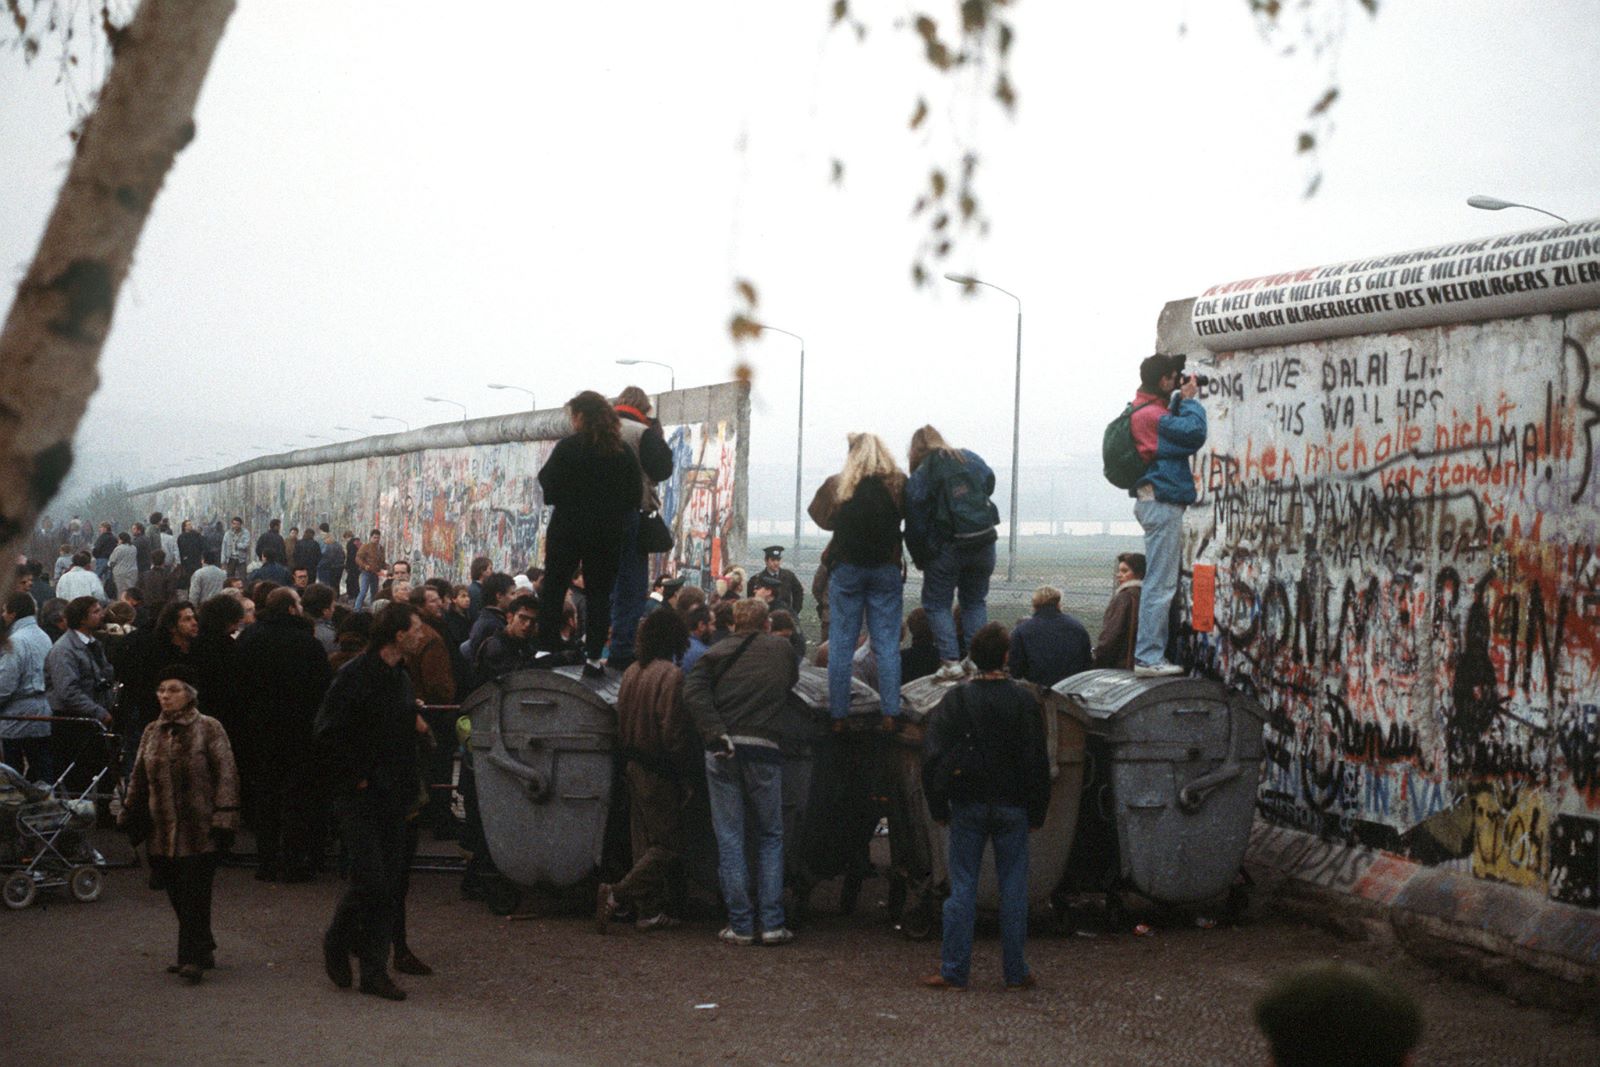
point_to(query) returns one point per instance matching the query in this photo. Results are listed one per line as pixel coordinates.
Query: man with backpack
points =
(1165, 433)
(950, 530)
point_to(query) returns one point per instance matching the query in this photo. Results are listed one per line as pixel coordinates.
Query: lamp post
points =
(391, 418)
(453, 403)
(1016, 417)
(1492, 203)
(318, 437)
(673, 375)
(347, 429)
(533, 401)
(800, 428)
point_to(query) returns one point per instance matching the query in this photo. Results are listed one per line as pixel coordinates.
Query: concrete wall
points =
(1401, 529)
(444, 494)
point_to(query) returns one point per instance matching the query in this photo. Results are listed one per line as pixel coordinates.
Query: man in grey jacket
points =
(236, 548)
(736, 694)
(80, 683)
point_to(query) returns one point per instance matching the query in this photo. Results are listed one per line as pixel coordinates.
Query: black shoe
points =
(336, 961)
(406, 962)
(382, 986)
(594, 670)
(208, 962)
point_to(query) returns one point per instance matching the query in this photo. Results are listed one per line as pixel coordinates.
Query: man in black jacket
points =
(986, 774)
(283, 674)
(367, 731)
(1051, 645)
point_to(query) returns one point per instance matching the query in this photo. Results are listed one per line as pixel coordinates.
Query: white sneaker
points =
(1156, 670)
(732, 937)
(659, 921)
(949, 671)
(781, 936)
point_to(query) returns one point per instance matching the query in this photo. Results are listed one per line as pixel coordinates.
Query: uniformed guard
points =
(787, 592)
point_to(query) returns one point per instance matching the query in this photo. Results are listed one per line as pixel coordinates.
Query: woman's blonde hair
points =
(924, 443)
(868, 457)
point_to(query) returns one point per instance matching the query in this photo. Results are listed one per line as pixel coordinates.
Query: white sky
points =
(388, 200)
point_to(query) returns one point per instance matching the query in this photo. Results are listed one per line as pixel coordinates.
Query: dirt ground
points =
(87, 983)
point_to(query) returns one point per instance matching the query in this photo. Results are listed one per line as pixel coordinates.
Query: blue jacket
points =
(1048, 646)
(923, 538)
(1179, 435)
(22, 688)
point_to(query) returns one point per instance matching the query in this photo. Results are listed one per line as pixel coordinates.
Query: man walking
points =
(367, 729)
(736, 695)
(1166, 433)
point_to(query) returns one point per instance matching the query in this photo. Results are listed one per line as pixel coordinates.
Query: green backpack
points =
(1120, 457)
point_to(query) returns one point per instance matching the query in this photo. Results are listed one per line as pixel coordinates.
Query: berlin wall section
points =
(1395, 548)
(444, 494)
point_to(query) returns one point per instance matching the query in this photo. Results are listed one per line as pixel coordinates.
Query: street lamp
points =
(454, 403)
(318, 437)
(391, 418)
(653, 363)
(347, 429)
(533, 401)
(800, 428)
(1492, 203)
(1016, 416)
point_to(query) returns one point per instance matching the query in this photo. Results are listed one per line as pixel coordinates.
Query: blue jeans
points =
(1163, 545)
(631, 592)
(369, 585)
(971, 825)
(854, 592)
(738, 787)
(965, 569)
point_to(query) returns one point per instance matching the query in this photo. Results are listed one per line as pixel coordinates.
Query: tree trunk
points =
(50, 345)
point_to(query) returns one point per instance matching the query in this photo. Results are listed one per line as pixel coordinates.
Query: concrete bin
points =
(1175, 765)
(918, 846)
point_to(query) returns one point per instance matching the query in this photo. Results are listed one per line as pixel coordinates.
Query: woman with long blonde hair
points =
(950, 532)
(863, 505)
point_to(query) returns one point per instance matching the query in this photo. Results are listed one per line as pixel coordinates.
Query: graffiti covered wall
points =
(442, 495)
(1402, 531)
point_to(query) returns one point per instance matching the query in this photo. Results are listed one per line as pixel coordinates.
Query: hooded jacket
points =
(1177, 434)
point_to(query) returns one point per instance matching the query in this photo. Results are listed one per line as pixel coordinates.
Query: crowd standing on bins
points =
(301, 685)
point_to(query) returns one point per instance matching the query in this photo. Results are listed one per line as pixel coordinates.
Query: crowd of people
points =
(303, 684)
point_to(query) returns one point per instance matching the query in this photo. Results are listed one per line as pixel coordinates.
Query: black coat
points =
(283, 675)
(366, 732)
(271, 541)
(1004, 721)
(591, 491)
(1048, 647)
(104, 545)
(307, 553)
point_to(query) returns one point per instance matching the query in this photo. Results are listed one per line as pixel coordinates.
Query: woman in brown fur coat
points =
(184, 800)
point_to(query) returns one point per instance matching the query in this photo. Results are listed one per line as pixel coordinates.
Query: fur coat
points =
(184, 783)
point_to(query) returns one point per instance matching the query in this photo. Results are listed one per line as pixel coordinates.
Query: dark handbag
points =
(653, 533)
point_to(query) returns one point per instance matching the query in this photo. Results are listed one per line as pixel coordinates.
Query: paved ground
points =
(86, 983)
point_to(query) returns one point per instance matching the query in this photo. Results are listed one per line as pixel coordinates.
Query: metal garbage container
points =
(1174, 767)
(541, 747)
(919, 847)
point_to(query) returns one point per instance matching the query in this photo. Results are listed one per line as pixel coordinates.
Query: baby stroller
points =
(44, 842)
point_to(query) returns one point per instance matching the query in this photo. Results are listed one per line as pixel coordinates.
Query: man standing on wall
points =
(1166, 432)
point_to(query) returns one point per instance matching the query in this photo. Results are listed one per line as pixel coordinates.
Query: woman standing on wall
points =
(862, 505)
(591, 481)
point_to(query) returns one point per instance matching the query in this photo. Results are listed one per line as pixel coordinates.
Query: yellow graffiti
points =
(1510, 831)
